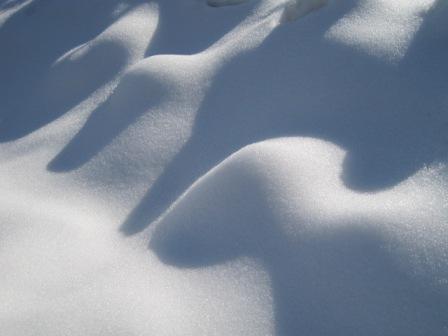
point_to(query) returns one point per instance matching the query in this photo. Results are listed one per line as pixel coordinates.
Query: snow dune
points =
(223, 167)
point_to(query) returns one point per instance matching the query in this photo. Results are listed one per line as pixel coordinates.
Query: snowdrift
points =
(328, 250)
(223, 167)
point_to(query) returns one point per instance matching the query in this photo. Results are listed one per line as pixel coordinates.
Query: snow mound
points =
(328, 250)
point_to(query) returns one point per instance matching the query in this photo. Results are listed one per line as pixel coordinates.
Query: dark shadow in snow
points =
(389, 117)
(33, 91)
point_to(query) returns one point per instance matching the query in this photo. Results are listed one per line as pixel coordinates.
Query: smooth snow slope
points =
(142, 192)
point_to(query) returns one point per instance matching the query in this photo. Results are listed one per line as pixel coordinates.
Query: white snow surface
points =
(223, 167)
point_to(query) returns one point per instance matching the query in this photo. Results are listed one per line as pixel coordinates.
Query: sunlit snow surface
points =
(223, 167)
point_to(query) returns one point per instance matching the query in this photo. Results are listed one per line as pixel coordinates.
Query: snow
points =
(329, 251)
(383, 28)
(219, 3)
(208, 167)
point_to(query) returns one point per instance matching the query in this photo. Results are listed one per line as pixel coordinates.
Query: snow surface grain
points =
(223, 167)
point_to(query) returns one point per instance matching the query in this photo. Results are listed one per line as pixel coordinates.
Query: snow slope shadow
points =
(389, 116)
(38, 85)
(330, 270)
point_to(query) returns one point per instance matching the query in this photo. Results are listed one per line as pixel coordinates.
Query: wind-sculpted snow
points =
(328, 250)
(223, 167)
